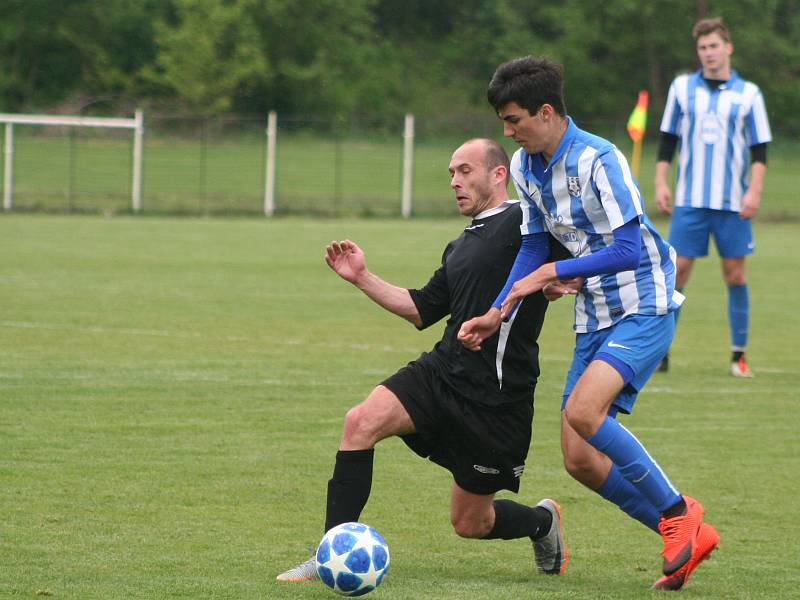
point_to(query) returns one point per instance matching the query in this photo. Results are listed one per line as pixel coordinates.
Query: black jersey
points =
(474, 270)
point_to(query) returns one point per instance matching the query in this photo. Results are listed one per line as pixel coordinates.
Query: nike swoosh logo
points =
(670, 566)
(613, 344)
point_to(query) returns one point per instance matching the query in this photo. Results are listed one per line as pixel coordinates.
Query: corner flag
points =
(637, 124)
(638, 119)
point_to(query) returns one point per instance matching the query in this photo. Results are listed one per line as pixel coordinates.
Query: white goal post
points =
(136, 123)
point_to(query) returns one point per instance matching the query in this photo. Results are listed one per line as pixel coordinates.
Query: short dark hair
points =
(496, 156)
(529, 82)
(707, 26)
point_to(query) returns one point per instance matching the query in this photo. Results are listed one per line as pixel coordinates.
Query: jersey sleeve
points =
(670, 122)
(623, 255)
(757, 129)
(433, 299)
(616, 188)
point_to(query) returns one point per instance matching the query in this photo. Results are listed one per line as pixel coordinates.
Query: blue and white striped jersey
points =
(584, 193)
(716, 129)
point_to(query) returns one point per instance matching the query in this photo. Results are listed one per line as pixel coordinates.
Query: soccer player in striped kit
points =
(579, 188)
(721, 123)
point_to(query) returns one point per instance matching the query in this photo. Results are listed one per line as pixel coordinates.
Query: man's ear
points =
(500, 174)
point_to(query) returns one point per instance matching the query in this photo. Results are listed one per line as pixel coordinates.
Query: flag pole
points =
(636, 158)
(637, 124)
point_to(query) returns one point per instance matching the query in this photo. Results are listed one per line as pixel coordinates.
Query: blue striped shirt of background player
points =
(716, 126)
(584, 194)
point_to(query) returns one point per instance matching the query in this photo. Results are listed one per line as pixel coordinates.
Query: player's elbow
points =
(632, 262)
(415, 320)
(628, 257)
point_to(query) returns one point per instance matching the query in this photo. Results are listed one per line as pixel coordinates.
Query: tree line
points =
(373, 60)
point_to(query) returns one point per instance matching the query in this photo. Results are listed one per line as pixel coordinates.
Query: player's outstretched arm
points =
(347, 260)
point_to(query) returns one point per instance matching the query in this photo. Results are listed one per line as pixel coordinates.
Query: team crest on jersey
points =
(573, 186)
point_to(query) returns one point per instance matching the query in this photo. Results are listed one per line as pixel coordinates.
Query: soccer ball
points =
(352, 559)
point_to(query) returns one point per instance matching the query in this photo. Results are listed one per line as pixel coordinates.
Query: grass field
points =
(171, 396)
(90, 171)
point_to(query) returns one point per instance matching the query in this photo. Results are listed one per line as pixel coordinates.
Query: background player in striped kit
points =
(719, 119)
(579, 188)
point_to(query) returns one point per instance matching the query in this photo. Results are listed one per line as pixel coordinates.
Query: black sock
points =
(675, 510)
(735, 356)
(348, 489)
(513, 520)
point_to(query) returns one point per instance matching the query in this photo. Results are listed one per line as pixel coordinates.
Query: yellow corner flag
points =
(637, 123)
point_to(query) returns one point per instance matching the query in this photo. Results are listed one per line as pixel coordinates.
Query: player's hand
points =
(530, 284)
(476, 330)
(750, 204)
(347, 259)
(556, 289)
(663, 198)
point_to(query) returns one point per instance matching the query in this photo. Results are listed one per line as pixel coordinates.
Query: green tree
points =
(36, 59)
(50, 50)
(209, 50)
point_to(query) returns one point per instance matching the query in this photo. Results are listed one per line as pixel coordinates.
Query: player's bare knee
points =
(580, 418)
(574, 466)
(735, 278)
(580, 468)
(359, 428)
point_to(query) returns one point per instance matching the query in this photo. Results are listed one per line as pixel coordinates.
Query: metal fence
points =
(228, 165)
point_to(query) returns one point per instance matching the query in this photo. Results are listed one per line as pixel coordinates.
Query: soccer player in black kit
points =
(469, 412)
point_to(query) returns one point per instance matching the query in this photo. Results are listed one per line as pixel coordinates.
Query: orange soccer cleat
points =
(687, 542)
(739, 368)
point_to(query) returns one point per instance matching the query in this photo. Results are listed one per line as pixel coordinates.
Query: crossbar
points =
(68, 121)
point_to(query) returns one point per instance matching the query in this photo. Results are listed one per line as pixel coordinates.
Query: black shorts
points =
(484, 448)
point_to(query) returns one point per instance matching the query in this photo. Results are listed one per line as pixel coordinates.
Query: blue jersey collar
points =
(527, 166)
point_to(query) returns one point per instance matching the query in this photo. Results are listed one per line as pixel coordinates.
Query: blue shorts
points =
(634, 347)
(691, 227)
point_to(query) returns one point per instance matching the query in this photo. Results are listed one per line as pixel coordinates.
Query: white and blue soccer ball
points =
(352, 559)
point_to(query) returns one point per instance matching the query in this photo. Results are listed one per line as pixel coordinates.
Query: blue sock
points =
(624, 494)
(738, 315)
(635, 464)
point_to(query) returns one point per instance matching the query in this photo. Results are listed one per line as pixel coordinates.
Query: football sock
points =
(513, 520)
(635, 464)
(623, 493)
(679, 508)
(738, 314)
(348, 489)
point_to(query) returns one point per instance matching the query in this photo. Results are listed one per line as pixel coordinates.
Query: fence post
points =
(8, 166)
(136, 186)
(71, 183)
(269, 180)
(408, 165)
